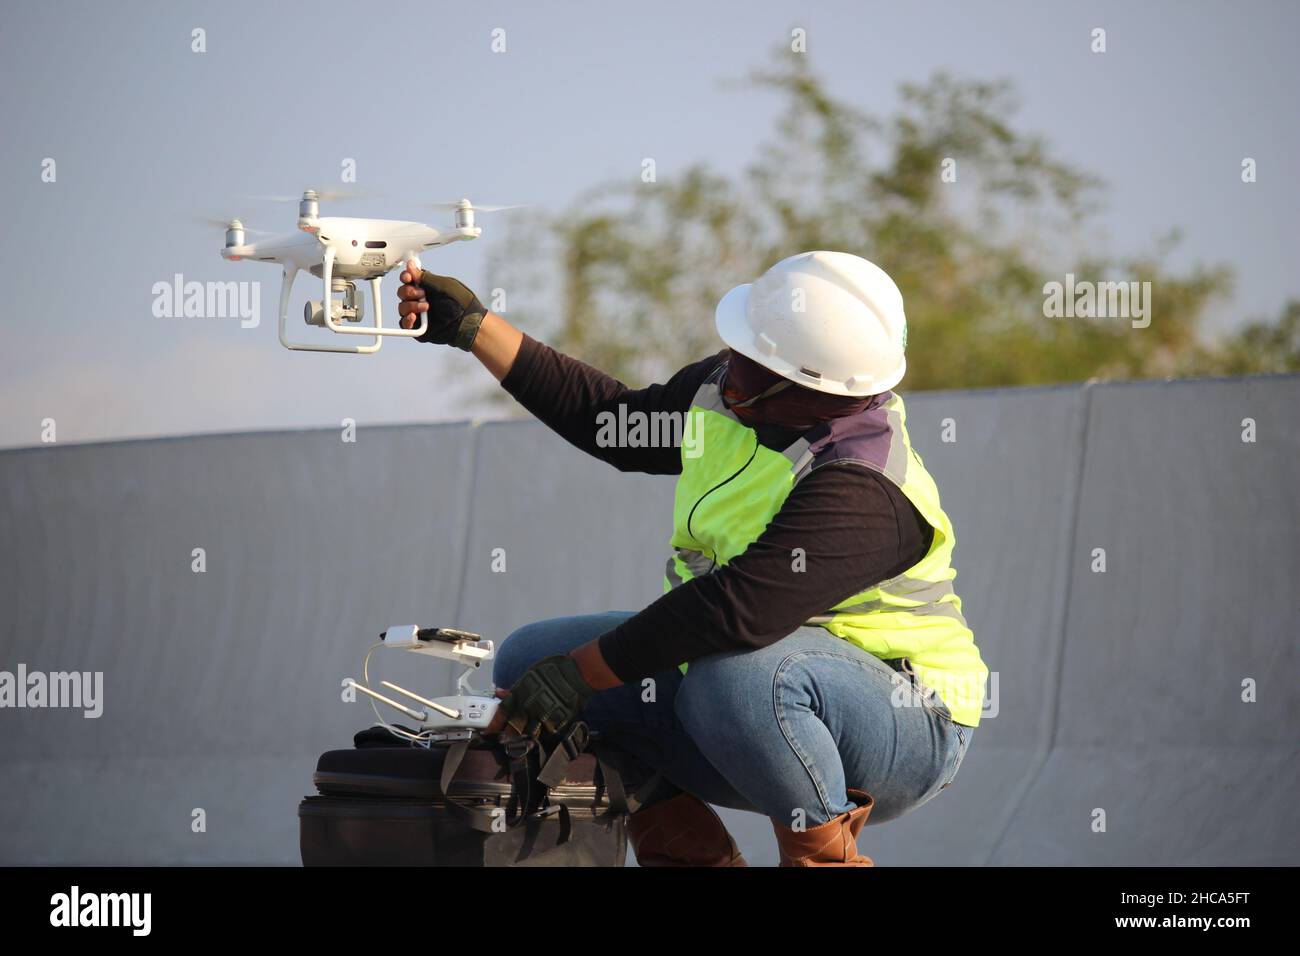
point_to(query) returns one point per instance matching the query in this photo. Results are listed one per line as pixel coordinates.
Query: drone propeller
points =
(324, 195)
(216, 222)
(462, 203)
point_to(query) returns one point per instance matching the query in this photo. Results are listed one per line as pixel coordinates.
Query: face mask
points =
(757, 395)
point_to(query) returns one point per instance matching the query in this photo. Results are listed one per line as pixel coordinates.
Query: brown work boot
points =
(681, 831)
(833, 843)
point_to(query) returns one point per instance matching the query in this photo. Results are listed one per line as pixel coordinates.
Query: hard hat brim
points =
(731, 321)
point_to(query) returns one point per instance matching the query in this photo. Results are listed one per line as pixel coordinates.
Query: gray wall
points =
(1119, 692)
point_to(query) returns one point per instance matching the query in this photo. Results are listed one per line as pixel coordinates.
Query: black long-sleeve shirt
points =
(855, 527)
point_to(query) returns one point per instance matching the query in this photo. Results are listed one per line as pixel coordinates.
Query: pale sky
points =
(146, 134)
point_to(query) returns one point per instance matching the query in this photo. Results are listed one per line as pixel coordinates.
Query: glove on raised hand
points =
(454, 312)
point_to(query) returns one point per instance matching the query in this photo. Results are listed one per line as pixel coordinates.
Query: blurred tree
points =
(633, 271)
(1258, 346)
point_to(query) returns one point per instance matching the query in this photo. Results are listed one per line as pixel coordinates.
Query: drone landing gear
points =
(341, 312)
(310, 314)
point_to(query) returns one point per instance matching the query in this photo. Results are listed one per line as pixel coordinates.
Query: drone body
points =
(342, 251)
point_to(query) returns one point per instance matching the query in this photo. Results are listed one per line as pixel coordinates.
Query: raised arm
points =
(582, 404)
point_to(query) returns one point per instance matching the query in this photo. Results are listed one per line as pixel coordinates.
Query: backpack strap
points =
(532, 773)
(612, 767)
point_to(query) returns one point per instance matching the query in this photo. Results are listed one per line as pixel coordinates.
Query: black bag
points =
(475, 802)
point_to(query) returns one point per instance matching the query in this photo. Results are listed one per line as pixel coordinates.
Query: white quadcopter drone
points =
(341, 251)
(455, 717)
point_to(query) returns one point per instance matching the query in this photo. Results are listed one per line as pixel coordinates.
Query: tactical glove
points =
(547, 697)
(455, 313)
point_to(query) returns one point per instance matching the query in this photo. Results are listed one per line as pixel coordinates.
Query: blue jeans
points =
(782, 731)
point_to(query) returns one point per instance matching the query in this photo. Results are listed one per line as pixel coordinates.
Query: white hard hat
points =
(829, 321)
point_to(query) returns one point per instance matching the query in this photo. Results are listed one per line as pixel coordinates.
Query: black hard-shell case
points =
(381, 804)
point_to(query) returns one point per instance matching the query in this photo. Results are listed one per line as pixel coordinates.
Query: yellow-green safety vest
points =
(731, 487)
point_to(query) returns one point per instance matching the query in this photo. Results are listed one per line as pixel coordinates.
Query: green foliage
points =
(1257, 347)
(634, 270)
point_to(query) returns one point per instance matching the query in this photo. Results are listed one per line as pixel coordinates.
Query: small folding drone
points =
(341, 251)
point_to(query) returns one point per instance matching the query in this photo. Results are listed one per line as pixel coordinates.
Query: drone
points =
(341, 252)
